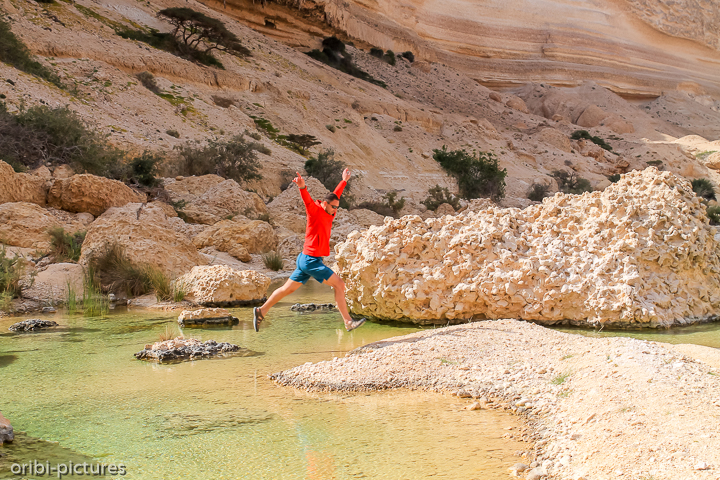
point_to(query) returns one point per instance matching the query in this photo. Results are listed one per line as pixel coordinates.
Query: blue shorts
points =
(307, 267)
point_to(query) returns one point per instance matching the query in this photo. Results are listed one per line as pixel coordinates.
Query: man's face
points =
(331, 207)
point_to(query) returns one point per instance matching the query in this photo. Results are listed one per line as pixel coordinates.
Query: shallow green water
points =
(81, 387)
(707, 334)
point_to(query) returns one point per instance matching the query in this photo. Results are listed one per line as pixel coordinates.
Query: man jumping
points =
(320, 216)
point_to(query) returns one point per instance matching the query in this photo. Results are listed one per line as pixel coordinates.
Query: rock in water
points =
(311, 307)
(6, 430)
(180, 349)
(206, 317)
(223, 286)
(32, 324)
(639, 253)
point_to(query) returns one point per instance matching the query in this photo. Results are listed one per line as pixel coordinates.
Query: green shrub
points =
(94, 303)
(397, 128)
(273, 261)
(614, 178)
(148, 81)
(223, 102)
(438, 195)
(328, 171)
(334, 55)
(389, 57)
(303, 141)
(57, 136)
(654, 163)
(578, 134)
(235, 159)
(477, 176)
(64, 246)
(16, 54)
(377, 52)
(144, 168)
(570, 182)
(173, 133)
(179, 291)
(703, 188)
(408, 55)
(389, 207)
(11, 271)
(713, 214)
(113, 271)
(537, 192)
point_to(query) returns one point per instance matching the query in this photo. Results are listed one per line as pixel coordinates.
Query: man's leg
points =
(339, 286)
(282, 292)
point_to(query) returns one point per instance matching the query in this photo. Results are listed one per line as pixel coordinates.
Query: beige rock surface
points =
(210, 199)
(221, 285)
(555, 138)
(26, 225)
(92, 194)
(253, 236)
(593, 407)
(51, 284)
(147, 237)
(21, 187)
(206, 316)
(639, 253)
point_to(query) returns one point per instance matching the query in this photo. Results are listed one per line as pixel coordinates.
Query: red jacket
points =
(319, 222)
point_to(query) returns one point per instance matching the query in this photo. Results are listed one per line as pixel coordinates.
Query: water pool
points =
(80, 388)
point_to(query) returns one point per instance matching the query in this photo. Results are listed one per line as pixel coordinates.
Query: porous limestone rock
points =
(179, 349)
(639, 253)
(21, 187)
(26, 225)
(239, 239)
(208, 199)
(92, 194)
(444, 209)
(223, 286)
(205, 317)
(31, 325)
(146, 236)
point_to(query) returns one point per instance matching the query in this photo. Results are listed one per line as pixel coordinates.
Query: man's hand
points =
(299, 180)
(346, 175)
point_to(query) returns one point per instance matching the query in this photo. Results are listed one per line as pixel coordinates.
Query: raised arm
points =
(341, 186)
(307, 199)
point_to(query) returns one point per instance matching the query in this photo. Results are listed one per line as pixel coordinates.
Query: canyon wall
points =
(634, 47)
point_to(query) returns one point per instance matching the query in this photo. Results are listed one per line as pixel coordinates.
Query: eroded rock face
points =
(209, 199)
(147, 237)
(26, 225)
(21, 187)
(92, 194)
(223, 286)
(639, 253)
(252, 236)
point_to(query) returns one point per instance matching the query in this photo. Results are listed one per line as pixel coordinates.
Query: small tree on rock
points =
(193, 28)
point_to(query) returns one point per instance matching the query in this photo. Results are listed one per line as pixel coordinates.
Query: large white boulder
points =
(639, 253)
(223, 286)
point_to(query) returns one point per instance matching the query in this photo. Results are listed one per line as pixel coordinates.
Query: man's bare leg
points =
(339, 286)
(282, 292)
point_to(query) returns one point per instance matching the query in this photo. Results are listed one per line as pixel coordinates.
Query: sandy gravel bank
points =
(598, 408)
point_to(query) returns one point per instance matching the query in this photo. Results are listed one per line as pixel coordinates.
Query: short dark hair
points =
(331, 197)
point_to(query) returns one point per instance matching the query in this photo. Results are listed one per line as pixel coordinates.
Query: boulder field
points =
(640, 253)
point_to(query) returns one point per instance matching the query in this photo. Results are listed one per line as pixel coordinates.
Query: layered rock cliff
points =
(638, 47)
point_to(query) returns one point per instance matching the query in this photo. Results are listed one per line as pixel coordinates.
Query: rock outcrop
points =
(92, 194)
(31, 325)
(209, 199)
(180, 349)
(21, 187)
(206, 317)
(52, 282)
(239, 239)
(223, 286)
(639, 253)
(146, 236)
(26, 225)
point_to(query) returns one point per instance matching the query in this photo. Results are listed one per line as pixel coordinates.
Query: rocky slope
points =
(640, 253)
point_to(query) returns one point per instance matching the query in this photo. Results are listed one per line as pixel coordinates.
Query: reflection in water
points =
(224, 419)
